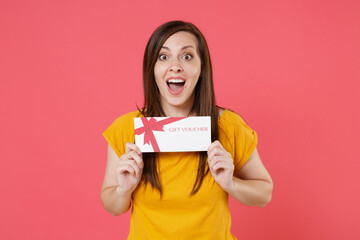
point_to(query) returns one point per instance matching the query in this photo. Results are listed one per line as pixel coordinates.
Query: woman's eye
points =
(163, 57)
(187, 56)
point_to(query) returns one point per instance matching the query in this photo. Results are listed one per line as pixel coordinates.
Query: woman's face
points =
(177, 71)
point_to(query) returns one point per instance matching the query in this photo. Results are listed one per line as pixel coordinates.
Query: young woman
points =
(182, 195)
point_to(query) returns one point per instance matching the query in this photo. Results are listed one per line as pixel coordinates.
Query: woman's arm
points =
(251, 185)
(122, 175)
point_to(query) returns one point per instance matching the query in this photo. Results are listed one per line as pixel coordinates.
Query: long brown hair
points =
(204, 102)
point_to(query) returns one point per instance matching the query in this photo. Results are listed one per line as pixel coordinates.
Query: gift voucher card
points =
(173, 134)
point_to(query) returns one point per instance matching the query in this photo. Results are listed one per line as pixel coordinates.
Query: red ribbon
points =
(153, 125)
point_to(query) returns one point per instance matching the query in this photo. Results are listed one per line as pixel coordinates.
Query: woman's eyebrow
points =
(188, 46)
(184, 47)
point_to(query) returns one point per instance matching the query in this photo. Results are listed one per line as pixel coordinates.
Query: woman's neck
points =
(177, 112)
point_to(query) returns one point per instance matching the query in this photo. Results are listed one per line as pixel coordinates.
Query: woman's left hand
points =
(221, 165)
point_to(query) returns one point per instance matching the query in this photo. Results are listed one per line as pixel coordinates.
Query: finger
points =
(211, 162)
(211, 147)
(214, 160)
(211, 158)
(132, 155)
(126, 156)
(214, 144)
(137, 159)
(130, 146)
(222, 165)
(215, 152)
(134, 165)
(130, 168)
(218, 152)
(134, 158)
(217, 159)
(125, 168)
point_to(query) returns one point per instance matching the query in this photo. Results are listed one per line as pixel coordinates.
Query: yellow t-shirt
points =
(177, 215)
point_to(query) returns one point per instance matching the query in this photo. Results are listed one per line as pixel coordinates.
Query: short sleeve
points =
(245, 143)
(120, 132)
(237, 137)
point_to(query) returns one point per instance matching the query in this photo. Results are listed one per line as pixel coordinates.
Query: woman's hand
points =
(221, 165)
(129, 169)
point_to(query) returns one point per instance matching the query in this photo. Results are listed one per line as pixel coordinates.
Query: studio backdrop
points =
(68, 69)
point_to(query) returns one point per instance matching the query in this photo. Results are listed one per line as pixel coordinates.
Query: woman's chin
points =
(176, 104)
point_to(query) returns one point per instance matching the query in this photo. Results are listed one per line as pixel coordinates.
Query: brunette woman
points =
(182, 195)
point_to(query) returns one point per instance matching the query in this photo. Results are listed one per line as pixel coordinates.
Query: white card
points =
(172, 134)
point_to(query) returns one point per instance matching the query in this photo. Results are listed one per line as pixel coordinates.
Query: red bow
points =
(153, 125)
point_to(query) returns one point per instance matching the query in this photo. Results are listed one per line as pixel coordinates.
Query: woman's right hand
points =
(129, 169)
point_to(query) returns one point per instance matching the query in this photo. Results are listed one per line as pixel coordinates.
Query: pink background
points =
(69, 68)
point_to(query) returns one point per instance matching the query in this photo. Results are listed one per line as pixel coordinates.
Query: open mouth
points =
(175, 86)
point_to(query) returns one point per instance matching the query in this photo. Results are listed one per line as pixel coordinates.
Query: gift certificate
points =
(172, 134)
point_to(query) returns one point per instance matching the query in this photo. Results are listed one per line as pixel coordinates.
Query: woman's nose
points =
(175, 66)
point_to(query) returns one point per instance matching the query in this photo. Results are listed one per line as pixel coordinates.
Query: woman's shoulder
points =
(229, 116)
(234, 133)
(230, 120)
